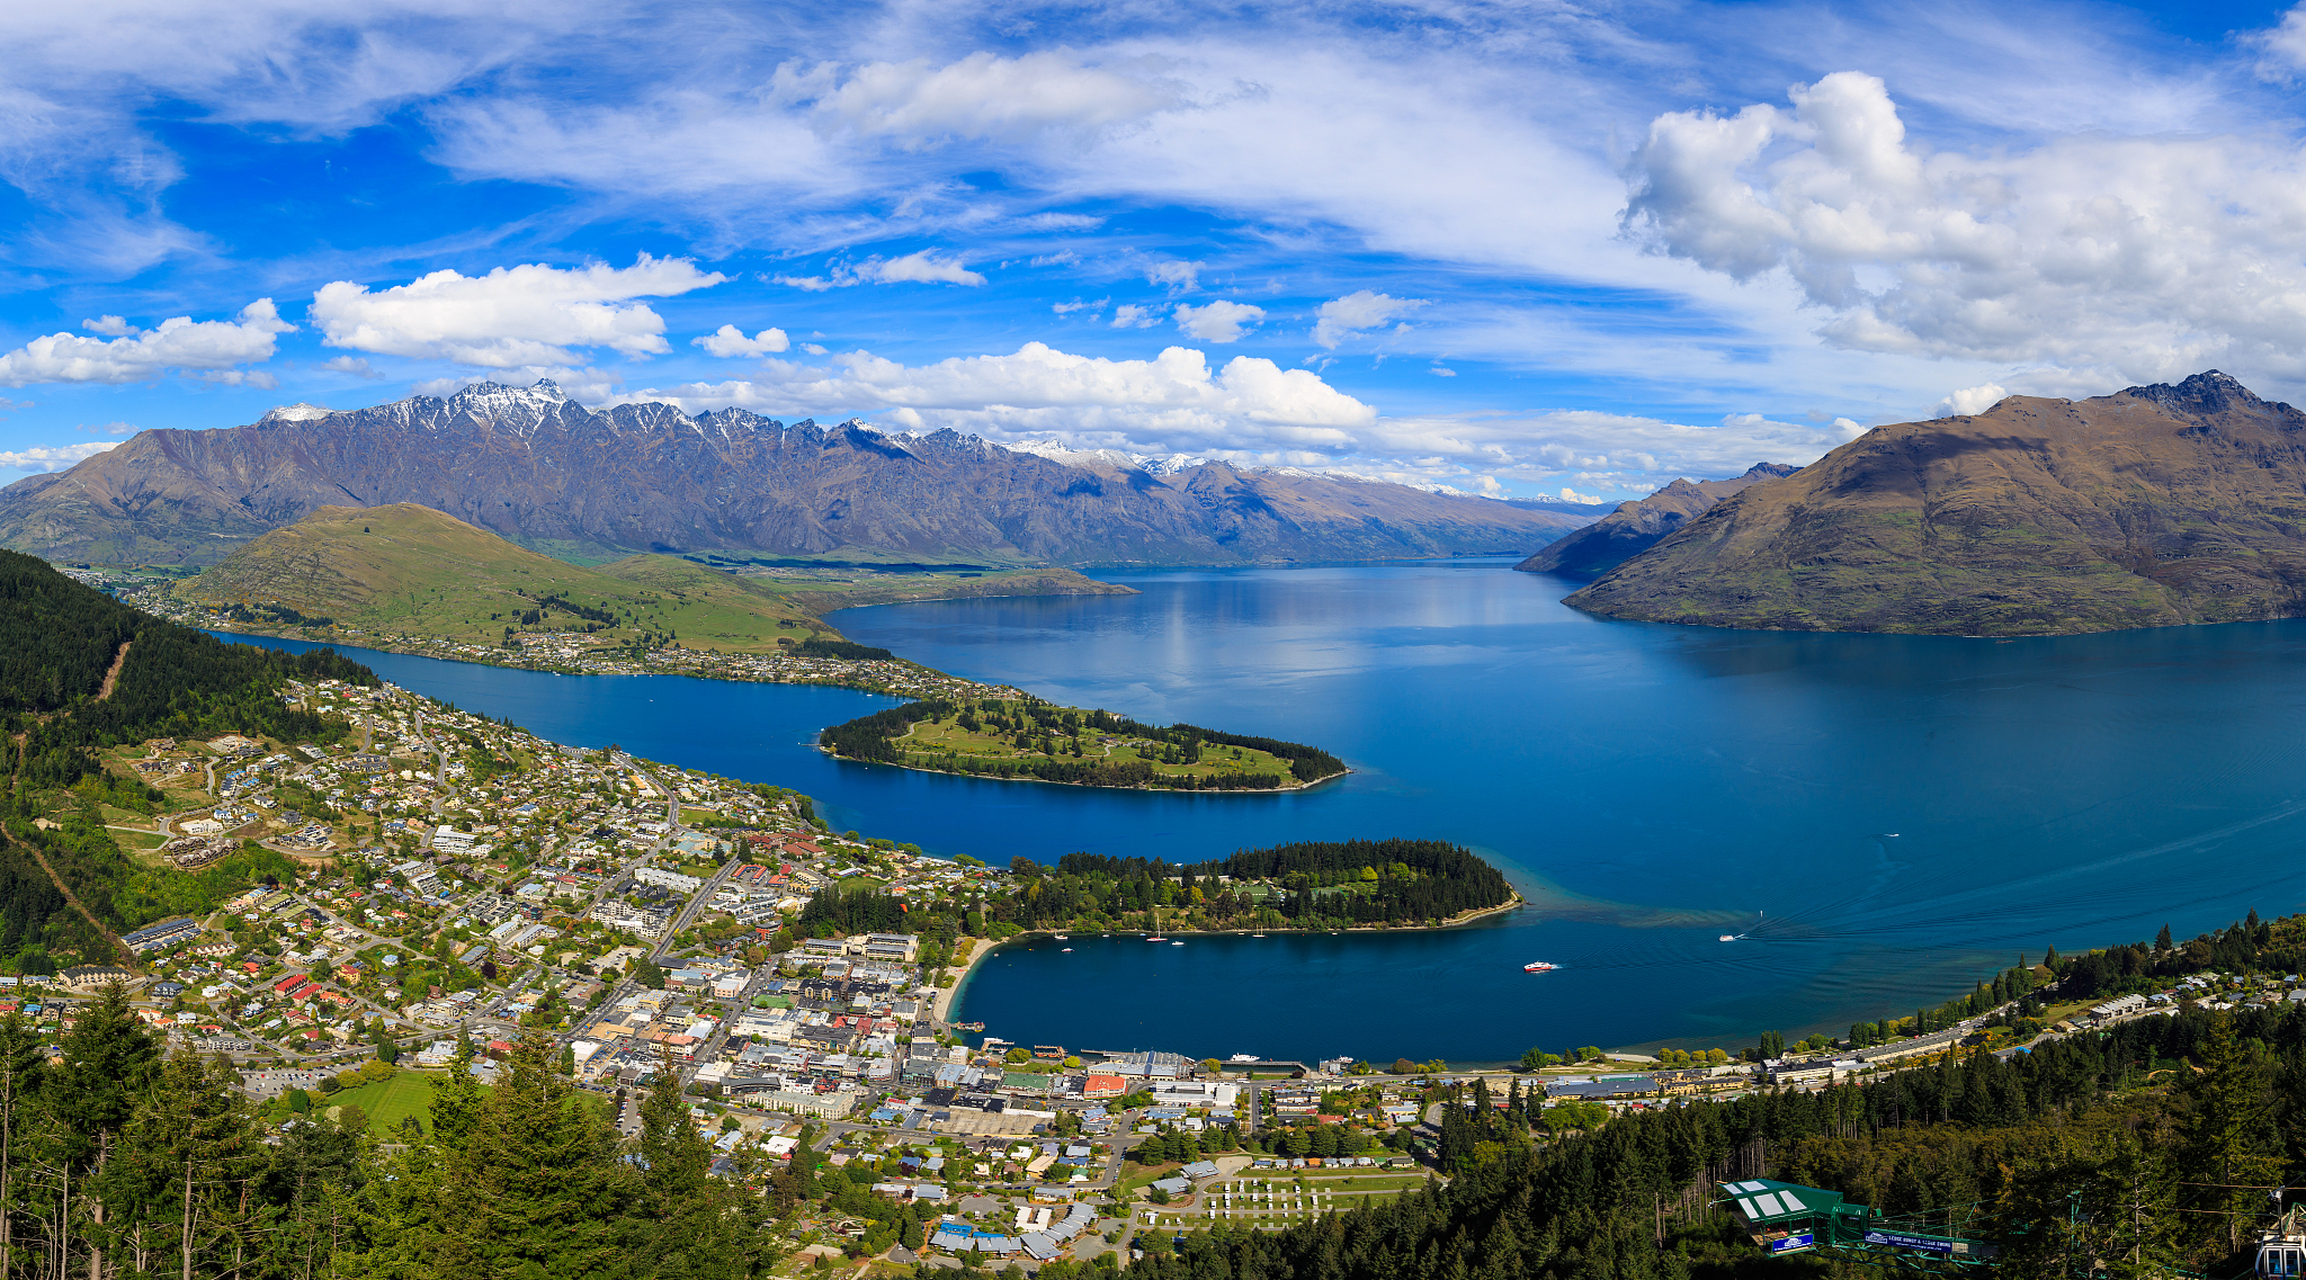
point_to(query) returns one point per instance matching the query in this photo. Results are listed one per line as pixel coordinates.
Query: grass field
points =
(387, 1102)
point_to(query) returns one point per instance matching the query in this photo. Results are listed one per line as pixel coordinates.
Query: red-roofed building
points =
(1102, 1086)
(289, 983)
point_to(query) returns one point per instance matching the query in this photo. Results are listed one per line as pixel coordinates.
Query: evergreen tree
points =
(534, 1189)
(109, 1063)
(2228, 1131)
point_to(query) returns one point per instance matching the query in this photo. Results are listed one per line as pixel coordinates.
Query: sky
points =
(1515, 249)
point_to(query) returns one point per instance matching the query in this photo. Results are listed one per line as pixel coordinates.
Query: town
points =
(454, 883)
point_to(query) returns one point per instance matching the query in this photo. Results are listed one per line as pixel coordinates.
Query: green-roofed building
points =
(1784, 1217)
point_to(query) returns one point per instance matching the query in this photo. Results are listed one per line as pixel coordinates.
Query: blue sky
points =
(1513, 248)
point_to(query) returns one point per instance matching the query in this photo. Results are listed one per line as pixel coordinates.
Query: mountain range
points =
(541, 470)
(1635, 527)
(2154, 506)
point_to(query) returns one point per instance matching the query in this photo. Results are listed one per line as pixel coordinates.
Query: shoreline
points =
(940, 1010)
(1516, 903)
(1098, 786)
(984, 948)
(380, 645)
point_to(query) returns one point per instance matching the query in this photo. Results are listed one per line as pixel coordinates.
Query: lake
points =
(1885, 819)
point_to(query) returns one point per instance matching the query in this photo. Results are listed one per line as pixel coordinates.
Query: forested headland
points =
(59, 640)
(1030, 739)
(1314, 885)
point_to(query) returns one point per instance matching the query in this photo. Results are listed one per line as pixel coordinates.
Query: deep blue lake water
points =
(1888, 818)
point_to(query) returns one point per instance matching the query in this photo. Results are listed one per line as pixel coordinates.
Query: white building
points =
(672, 880)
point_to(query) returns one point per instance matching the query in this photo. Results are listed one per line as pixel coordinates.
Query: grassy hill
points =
(410, 570)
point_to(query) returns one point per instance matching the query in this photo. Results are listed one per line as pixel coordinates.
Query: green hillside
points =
(82, 675)
(407, 570)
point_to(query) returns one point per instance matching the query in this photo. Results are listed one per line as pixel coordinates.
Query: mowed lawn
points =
(389, 1101)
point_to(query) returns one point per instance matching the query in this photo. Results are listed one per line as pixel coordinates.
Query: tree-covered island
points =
(1031, 739)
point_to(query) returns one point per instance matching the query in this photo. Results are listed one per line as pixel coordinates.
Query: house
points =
(89, 976)
(1104, 1086)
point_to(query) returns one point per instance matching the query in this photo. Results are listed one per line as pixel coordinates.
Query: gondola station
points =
(1785, 1219)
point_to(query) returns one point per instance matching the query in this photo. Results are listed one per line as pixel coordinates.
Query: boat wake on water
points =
(2020, 915)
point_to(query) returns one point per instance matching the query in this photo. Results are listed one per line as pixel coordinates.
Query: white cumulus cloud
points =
(212, 349)
(1174, 402)
(1340, 318)
(1220, 321)
(1129, 315)
(2138, 258)
(918, 268)
(1967, 401)
(729, 341)
(513, 316)
(52, 457)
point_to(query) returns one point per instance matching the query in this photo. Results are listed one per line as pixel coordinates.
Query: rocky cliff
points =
(539, 469)
(2154, 506)
(1635, 527)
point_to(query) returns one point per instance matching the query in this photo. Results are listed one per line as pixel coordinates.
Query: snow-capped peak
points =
(518, 409)
(298, 412)
(1166, 464)
(1150, 464)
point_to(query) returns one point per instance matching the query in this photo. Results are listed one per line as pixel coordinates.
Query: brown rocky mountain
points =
(543, 471)
(1635, 527)
(2151, 507)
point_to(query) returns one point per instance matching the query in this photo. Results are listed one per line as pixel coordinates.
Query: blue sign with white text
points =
(1899, 1240)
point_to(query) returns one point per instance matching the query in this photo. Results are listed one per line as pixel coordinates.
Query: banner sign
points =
(1899, 1240)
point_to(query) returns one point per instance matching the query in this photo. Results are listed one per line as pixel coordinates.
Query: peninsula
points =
(1029, 739)
(408, 579)
(1307, 885)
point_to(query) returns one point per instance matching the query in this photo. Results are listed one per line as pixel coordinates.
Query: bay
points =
(1886, 819)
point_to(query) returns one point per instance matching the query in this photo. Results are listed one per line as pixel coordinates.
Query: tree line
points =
(1311, 884)
(119, 1161)
(2149, 1149)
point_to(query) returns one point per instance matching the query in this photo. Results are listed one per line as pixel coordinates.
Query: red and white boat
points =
(1539, 966)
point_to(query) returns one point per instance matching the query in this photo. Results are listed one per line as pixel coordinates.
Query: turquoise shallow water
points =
(1908, 812)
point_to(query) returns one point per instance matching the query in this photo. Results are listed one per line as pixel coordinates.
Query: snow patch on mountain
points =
(298, 412)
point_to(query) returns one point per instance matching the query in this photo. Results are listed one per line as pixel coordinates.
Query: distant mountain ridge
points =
(539, 469)
(2155, 506)
(1635, 527)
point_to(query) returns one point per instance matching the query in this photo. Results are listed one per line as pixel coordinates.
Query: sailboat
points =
(1155, 936)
